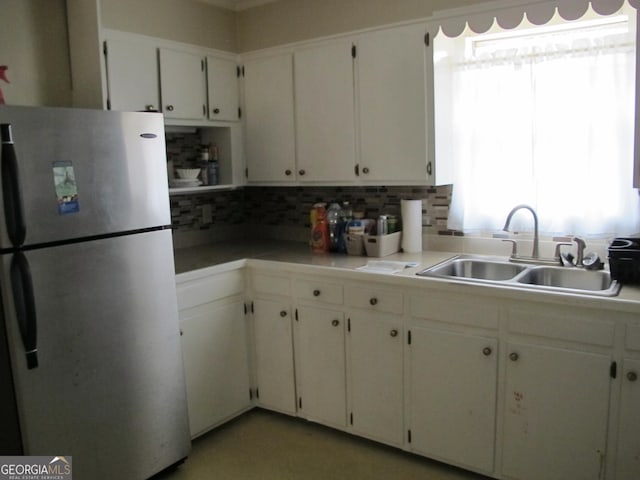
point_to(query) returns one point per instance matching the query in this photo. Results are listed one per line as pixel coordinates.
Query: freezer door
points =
(83, 173)
(109, 385)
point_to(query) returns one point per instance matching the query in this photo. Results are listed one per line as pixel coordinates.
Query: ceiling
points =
(236, 5)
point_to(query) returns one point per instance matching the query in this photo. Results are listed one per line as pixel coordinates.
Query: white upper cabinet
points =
(132, 74)
(391, 105)
(222, 89)
(324, 109)
(182, 84)
(269, 119)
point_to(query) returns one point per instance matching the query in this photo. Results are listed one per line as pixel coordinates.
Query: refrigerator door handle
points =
(12, 199)
(25, 306)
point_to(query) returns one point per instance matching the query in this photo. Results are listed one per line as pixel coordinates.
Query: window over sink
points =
(540, 112)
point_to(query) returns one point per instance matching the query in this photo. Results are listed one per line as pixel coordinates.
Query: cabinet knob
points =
(393, 333)
(283, 313)
(216, 111)
(170, 108)
(429, 169)
(373, 301)
(301, 172)
(632, 376)
(335, 323)
(486, 351)
(513, 356)
(316, 293)
(150, 108)
(287, 172)
(365, 170)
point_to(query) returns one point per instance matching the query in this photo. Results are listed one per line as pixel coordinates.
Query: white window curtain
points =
(541, 115)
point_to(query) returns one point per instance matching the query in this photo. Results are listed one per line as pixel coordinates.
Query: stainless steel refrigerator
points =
(90, 357)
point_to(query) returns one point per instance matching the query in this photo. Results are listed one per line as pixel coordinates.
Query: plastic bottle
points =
(335, 219)
(212, 166)
(320, 230)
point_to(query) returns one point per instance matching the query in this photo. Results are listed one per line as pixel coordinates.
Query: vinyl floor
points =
(262, 445)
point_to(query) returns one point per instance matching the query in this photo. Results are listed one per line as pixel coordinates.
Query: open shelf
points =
(202, 189)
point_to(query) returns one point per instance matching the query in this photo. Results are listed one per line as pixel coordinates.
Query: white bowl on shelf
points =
(188, 173)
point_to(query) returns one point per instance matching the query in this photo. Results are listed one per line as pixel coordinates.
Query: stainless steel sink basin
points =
(499, 271)
(571, 279)
(475, 268)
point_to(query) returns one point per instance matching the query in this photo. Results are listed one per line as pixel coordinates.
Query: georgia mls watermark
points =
(35, 468)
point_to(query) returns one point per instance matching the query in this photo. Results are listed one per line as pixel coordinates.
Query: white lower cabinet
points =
(628, 451)
(320, 365)
(453, 382)
(556, 408)
(375, 376)
(273, 337)
(215, 353)
(215, 347)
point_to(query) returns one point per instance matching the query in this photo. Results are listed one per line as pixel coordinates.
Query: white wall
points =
(33, 43)
(287, 21)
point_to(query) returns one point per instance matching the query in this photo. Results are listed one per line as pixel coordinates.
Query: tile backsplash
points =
(289, 206)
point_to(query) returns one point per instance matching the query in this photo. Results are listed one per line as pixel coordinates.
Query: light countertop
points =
(193, 262)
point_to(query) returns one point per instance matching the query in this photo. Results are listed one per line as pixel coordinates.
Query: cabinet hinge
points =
(613, 370)
(257, 393)
(245, 308)
(409, 436)
(427, 39)
(296, 314)
(348, 324)
(246, 172)
(409, 337)
(243, 70)
(357, 169)
(202, 65)
(238, 71)
(353, 51)
(252, 307)
(105, 49)
(204, 110)
(250, 395)
(351, 418)
(239, 112)
(108, 104)
(300, 403)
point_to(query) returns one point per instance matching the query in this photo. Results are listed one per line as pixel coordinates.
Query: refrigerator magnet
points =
(64, 179)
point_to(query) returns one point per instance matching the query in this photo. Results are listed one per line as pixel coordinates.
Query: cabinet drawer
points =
(374, 299)
(210, 289)
(323, 292)
(576, 326)
(271, 284)
(455, 309)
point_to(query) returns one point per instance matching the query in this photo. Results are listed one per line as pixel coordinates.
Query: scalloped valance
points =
(452, 22)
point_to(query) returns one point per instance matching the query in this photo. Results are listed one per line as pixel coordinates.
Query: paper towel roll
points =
(411, 211)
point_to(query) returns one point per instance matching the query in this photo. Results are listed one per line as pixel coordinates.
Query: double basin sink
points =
(497, 271)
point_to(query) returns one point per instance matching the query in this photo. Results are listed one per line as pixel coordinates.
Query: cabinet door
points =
(321, 365)
(132, 74)
(274, 355)
(453, 397)
(269, 121)
(392, 109)
(222, 89)
(214, 348)
(555, 413)
(376, 376)
(182, 85)
(628, 454)
(325, 129)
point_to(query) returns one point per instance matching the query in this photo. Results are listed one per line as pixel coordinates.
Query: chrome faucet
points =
(535, 253)
(580, 246)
